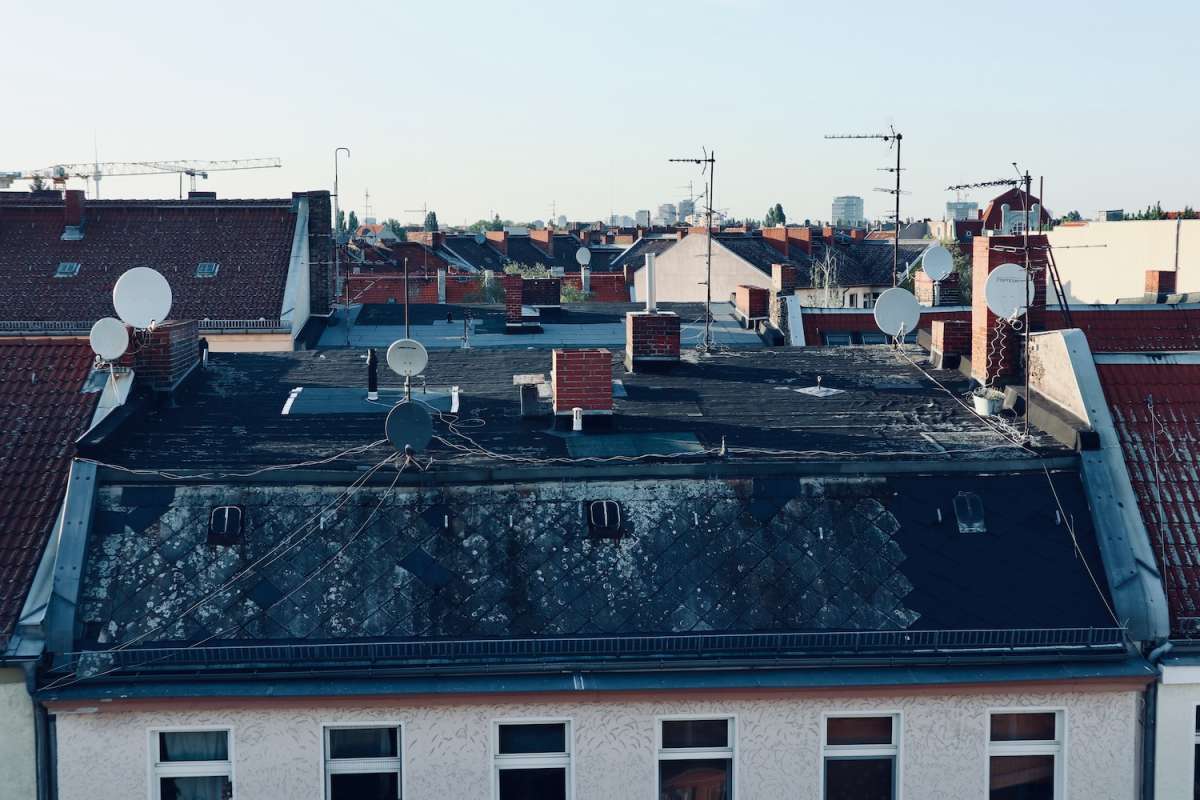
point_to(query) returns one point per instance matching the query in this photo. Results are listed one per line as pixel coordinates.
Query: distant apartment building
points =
(961, 209)
(847, 211)
(666, 214)
(643, 218)
(686, 208)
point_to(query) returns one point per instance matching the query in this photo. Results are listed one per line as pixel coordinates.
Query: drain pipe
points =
(1150, 729)
(41, 734)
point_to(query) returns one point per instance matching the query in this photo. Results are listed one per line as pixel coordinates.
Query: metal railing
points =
(82, 326)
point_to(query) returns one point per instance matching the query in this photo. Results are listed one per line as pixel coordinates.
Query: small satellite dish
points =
(407, 357)
(480, 238)
(1008, 291)
(897, 312)
(409, 425)
(109, 338)
(142, 297)
(583, 256)
(937, 263)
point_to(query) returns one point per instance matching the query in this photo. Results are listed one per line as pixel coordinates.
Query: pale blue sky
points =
(477, 106)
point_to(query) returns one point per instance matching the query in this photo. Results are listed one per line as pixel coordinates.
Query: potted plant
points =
(987, 401)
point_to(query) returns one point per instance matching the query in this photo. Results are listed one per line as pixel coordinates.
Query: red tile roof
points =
(1169, 499)
(251, 240)
(1151, 329)
(43, 412)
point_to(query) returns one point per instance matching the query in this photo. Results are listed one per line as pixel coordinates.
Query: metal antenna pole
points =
(707, 163)
(337, 266)
(894, 137)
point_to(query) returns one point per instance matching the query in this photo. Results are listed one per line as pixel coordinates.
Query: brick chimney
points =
(951, 340)
(777, 238)
(752, 302)
(582, 379)
(651, 340)
(1160, 281)
(947, 292)
(514, 291)
(72, 215)
(498, 240)
(168, 354)
(541, 291)
(800, 237)
(1005, 354)
(543, 239)
(783, 278)
(827, 234)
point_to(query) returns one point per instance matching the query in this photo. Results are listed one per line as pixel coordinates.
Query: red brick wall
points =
(389, 288)
(582, 379)
(783, 278)
(498, 240)
(985, 258)
(1160, 281)
(513, 297)
(542, 292)
(800, 237)
(653, 337)
(543, 239)
(166, 354)
(951, 337)
(816, 324)
(73, 206)
(751, 300)
(606, 287)
(777, 238)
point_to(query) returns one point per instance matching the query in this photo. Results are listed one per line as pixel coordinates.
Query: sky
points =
(475, 108)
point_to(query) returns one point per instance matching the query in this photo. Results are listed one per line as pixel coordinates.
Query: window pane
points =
(1023, 727)
(533, 784)
(858, 730)
(536, 738)
(193, 746)
(859, 778)
(1196, 774)
(364, 786)
(207, 788)
(362, 743)
(1022, 778)
(1197, 719)
(695, 733)
(695, 779)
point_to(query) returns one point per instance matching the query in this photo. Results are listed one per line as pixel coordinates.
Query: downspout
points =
(41, 734)
(1150, 729)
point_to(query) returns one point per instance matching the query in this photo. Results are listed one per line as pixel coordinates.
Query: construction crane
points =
(59, 174)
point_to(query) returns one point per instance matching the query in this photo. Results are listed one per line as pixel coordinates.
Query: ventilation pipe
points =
(372, 375)
(577, 419)
(650, 304)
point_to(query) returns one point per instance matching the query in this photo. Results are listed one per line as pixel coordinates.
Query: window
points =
(192, 765)
(1196, 759)
(869, 300)
(207, 269)
(837, 340)
(874, 338)
(1025, 755)
(225, 525)
(853, 300)
(533, 760)
(695, 759)
(363, 762)
(67, 269)
(860, 757)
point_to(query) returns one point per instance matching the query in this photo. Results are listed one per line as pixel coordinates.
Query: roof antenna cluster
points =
(894, 137)
(708, 165)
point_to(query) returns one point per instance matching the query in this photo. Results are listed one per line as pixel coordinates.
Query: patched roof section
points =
(1156, 410)
(43, 409)
(760, 555)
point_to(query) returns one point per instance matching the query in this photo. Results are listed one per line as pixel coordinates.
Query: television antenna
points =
(892, 138)
(423, 211)
(708, 165)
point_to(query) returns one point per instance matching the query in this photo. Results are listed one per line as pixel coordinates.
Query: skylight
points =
(207, 269)
(67, 269)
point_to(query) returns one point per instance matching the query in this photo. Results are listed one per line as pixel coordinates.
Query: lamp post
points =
(337, 265)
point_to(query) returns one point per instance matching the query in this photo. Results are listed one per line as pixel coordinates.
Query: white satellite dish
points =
(142, 297)
(583, 256)
(109, 338)
(937, 263)
(1008, 291)
(897, 312)
(407, 357)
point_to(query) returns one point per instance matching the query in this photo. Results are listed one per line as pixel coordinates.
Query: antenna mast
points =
(707, 164)
(895, 137)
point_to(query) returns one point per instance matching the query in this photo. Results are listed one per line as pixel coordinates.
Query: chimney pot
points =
(583, 379)
(1160, 281)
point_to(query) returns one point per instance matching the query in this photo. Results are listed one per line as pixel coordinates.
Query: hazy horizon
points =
(474, 109)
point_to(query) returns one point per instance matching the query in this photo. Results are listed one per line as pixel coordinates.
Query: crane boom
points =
(61, 173)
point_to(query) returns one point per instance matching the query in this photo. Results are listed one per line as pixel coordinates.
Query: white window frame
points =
(345, 766)
(188, 769)
(690, 753)
(853, 751)
(563, 760)
(1056, 748)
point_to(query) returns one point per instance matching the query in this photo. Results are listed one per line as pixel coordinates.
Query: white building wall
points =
(680, 272)
(277, 745)
(18, 765)
(1095, 274)
(1175, 734)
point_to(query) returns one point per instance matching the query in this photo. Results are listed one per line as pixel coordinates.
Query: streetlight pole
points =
(337, 265)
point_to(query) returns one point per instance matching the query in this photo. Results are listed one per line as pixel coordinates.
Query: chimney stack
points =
(544, 239)
(783, 278)
(751, 303)
(498, 240)
(951, 340)
(777, 238)
(1160, 282)
(582, 379)
(995, 346)
(168, 354)
(514, 289)
(72, 215)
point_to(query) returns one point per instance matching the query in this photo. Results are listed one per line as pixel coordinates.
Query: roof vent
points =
(968, 510)
(225, 525)
(604, 519)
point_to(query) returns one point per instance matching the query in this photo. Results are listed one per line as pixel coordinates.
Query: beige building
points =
(1101, 262)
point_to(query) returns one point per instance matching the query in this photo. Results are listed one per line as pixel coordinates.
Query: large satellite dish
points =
(897, 312)
(409, 425)
(937, 263)
(1008, 291)
(583, 256)
(109, 338)
(142, 297)
(407, 357)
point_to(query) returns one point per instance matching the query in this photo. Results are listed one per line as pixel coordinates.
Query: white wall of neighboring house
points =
(18, 765)
(1175, 733)
(446, 751)
(1092, 273)
(680, 273)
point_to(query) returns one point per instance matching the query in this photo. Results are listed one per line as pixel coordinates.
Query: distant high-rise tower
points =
(847, 211)
(961, 209)
(666, 214)
(643, 218)
(687, 207)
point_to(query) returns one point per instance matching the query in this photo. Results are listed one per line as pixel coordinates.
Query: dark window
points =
(968, 510)
(860, 756)
(859, 778)
(364, 786)
(1038, 727)
(695, 779)
(837, 339)
(207, 269)
(362, 762)
(214, 787)
(858, 730)
(685, 733)
(533, 761)
(533, 738)
(225, 525)
(1021, 778)
(1023, 753)
(547, 783)
(192, 765)
(874, 338)
(67, 269)
(362, 743)
(193, 746)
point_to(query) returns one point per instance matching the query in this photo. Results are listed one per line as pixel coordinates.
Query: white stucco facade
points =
(18, 765)
(1175, 736)
(276, 745)
(1102, 261)
(680, 271)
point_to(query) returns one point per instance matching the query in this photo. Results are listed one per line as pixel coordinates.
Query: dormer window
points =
(225, 525)
(207, 269)
(67, 269)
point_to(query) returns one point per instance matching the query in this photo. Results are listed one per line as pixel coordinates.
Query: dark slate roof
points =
(1161, 445)
(250, 239)
(481, 256)
(231, 415)
(869, 262)
(634, 255)
(43, 410)
(760, 254)
(771, 555)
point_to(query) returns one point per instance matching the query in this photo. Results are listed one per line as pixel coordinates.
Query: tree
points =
(38, 184)
(1073, 216)
(498, 224)
(397, 228)
(431, 223)
(962, 266)
(352, 222)
(340, 223)
(775, 216)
